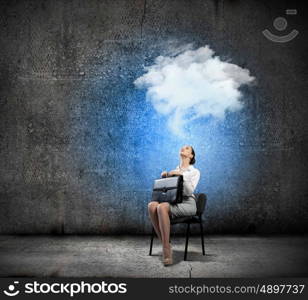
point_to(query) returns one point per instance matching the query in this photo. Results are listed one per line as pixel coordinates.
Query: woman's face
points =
(185, 151)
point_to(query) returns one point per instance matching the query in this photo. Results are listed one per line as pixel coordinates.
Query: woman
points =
(160, 213)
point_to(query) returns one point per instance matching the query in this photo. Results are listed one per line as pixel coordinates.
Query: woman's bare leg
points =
(152, 208)
(164, 225)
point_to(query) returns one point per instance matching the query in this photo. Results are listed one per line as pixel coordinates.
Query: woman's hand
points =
(164, 174)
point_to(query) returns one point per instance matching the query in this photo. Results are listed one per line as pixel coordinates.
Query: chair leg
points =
(186, 243)
(152, 238)
(201, 232)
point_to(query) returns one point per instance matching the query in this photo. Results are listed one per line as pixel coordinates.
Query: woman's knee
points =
(163, 207)
(152, 206)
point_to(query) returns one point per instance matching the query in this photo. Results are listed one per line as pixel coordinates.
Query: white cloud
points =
(193, 84)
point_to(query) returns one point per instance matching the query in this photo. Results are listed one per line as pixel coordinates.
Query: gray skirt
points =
(187, 208)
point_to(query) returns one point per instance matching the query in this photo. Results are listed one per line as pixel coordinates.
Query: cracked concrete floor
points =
(127, 256)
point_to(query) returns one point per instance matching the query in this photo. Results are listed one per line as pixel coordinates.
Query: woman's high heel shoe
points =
(168, 260)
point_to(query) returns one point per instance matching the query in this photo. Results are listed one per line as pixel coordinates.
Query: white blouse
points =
(191, 177)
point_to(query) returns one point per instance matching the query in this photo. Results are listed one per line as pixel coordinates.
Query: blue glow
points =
(121, 144)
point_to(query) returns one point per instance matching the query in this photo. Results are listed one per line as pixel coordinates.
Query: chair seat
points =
(189, 219)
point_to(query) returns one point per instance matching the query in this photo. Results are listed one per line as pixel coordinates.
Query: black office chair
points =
(201, 202)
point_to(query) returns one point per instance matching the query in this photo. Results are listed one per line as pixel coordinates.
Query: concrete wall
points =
(80, 146)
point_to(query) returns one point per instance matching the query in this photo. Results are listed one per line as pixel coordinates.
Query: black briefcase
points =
(169, 189)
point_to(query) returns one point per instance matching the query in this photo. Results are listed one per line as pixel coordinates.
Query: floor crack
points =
(190, 270)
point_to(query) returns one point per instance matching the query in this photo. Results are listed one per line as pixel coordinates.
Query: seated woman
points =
(160, 213)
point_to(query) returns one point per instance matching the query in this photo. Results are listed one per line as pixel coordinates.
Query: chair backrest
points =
(200, 202)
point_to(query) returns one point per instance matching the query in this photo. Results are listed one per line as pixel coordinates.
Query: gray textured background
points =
(63, 61)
